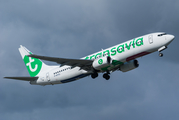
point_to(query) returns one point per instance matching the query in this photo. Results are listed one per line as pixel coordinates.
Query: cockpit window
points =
(162, 34)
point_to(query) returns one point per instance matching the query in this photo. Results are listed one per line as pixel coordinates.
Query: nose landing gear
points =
(161, 49)
(160, 54)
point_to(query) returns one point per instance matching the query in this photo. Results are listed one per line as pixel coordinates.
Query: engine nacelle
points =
(129, 66)
(102, 62)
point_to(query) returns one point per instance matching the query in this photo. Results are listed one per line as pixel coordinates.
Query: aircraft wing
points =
(82, 63)
(23, 78)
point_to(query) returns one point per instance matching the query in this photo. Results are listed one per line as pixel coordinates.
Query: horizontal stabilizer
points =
(23, 78)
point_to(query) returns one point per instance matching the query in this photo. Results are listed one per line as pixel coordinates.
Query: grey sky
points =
(73, 29)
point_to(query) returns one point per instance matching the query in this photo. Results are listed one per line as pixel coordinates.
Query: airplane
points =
(119, 57)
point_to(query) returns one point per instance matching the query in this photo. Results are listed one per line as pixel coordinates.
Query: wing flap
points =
(23, 78)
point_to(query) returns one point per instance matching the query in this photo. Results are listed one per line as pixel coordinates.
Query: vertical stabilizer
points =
(34, 65)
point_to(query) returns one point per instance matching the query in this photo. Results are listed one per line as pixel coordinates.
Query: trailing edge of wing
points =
(83, 63)
(23, 78)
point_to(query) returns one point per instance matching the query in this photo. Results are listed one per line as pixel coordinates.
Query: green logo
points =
(33, 65)
(100, 61)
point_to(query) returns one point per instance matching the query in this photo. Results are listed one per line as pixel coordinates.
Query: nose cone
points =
(170, 38)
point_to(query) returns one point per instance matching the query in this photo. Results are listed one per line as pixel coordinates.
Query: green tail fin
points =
(34, 65)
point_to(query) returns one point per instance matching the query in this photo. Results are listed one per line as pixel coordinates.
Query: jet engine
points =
(102, 62)
(129, 66)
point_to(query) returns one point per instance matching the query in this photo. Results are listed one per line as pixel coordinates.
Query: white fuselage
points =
(124, 52)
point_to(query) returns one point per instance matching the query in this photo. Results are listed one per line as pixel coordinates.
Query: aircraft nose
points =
(170, 37)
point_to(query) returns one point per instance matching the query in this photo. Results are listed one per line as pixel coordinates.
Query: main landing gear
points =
(105, 75)
(94, 75)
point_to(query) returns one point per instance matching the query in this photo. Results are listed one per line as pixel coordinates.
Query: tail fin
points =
(34, 65)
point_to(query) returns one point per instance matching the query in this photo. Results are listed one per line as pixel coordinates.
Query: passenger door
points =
(150, 39)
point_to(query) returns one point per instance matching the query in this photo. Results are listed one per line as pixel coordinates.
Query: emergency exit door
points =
(47, 77)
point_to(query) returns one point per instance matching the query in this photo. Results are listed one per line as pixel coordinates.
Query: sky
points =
(74, 29)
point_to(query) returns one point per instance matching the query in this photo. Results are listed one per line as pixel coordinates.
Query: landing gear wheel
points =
(160, 54)
(94, 75)
(106, 76)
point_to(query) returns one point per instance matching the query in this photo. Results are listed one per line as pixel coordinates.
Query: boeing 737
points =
(120, 57)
